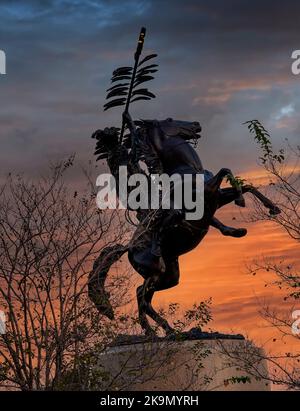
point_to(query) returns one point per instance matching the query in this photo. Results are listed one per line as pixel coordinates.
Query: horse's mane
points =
(145, 151)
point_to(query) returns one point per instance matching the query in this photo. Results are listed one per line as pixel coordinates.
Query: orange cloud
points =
(217, 269)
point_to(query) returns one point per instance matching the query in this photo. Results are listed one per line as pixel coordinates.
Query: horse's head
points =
(188, 130)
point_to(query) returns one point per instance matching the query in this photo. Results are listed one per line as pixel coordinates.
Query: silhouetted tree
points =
(283, 187)
(49, 239)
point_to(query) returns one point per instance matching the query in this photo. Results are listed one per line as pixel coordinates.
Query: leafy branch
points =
(262, 136)
(235, 181)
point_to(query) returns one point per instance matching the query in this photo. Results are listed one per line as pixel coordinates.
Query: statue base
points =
(192, 361)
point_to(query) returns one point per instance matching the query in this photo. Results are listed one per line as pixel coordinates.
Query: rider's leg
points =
(155, 246)
(226, 230)
(140, 294)
(168, 218)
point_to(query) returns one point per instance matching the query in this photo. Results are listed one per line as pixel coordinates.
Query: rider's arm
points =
(130, 123)
(133, 131)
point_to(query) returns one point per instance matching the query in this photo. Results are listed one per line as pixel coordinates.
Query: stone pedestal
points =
(197, 365)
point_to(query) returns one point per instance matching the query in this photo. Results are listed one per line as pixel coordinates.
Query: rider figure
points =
(163, 218)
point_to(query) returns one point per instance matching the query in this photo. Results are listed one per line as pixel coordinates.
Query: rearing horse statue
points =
(153, 252)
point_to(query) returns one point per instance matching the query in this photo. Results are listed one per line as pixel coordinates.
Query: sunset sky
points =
(221, 63)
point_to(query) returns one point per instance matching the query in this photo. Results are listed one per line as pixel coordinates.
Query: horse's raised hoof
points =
(274, 211)
(109, 313)
(239, 232)
(106, 310)
(170, 332)
(240, 202)
(149, 332)
(234, 232)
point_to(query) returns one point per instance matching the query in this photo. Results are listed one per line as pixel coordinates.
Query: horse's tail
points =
(96, 283)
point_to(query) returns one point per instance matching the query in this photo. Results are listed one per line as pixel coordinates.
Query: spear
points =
(137, 55)
(126, 93)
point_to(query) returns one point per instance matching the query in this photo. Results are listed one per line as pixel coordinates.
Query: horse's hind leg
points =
(146, 291)
(145, 294)
(140, 294)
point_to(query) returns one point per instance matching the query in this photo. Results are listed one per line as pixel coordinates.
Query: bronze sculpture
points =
(160, 237)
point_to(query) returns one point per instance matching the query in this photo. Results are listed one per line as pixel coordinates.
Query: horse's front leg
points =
(273, 209)
(227, 196)
(226, 230)
(215, 182)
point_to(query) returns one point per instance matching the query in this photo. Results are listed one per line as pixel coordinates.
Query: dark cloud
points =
(220, 62)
